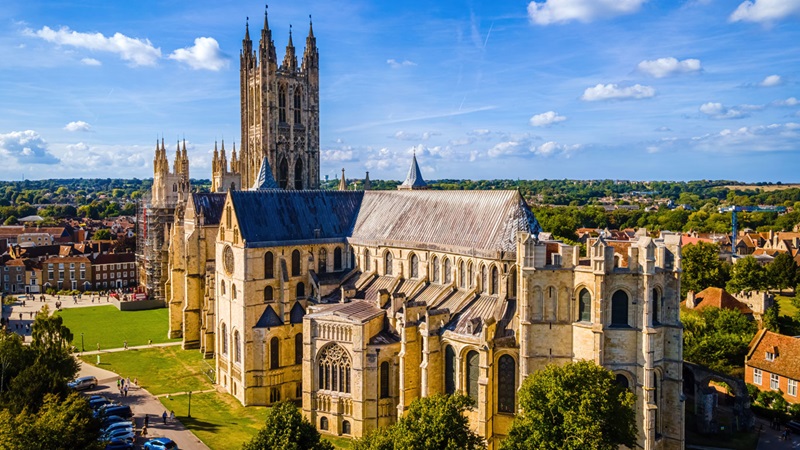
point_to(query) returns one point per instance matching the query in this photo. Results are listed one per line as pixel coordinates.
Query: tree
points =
(437, 422)
(717, 338)
(58, 425)
(747, 275)
(576, 406)
(286, 428)
(770, 320)
(702, 268)
(782, 272)
(103, 234)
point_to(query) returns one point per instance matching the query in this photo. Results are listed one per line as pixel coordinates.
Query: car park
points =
(97, 403)
(115, 410)
(160, 443)
(83, 383)
(126, 434)
(108, 420)
(118, 425)
(119, 444)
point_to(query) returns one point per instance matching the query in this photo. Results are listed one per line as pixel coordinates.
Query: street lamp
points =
(189, 415)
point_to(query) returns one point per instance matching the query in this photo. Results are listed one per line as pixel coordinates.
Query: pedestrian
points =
(136, 382)
(128, 381)
(125, 344)
(149, 342)
(144, 431)
(30, 315)
(172, 416)
(20, 316)
(164, 417)
(146, 419)
(125, 391)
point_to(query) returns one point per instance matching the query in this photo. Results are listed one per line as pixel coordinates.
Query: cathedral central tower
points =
(280, 111)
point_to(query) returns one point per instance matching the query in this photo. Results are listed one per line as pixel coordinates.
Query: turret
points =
(290, 59)
(223, 160)
(414, 179)
(342, 182)
(311, 55)
(266, 47)
(234, 160)
(367, 184)
(215, 160)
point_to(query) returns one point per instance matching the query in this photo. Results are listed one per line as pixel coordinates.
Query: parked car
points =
(83, 383)
(114, 410)
(160, 443)
(125, 434)
(100, 402)
(108, 420)
(119, 444)
(118, 425)
(794, 426)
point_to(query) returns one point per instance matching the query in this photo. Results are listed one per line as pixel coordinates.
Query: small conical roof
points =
(414, 178)
(265, 179)
(342, 182)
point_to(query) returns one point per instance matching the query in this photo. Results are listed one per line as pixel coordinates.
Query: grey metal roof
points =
(414, 177)
(269, 319)
(272, 216)
(481, 220)
(265, 180)
(210, 205)
(356, 311)
(470, 320)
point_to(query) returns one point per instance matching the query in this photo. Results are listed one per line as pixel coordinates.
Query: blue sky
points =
(581, 89)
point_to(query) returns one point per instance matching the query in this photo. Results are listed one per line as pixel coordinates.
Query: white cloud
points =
(770, 81)
(719, 111)
(507, 148)
(791, 101)
(205, 54)
(546, 119)
(549, 148)
(663, 128)
(765, 11)
(91, 62)
(26, 147)
(664, 67)
(337, 155)
(93, 159)
(139, 52)
(613, 91)
(395, 64)
(561, 11)
(408, 136)
(78, 126)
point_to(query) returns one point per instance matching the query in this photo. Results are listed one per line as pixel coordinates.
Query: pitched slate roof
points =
(785, 348)
(265, 180)
(356, 311)
(210, 205)
(269, 319)
(273, 216)
(414, 178)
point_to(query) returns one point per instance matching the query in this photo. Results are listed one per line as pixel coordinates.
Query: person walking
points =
(164, 417)
(172, 416)
(144, 431)
(125, 344)
(125, 391)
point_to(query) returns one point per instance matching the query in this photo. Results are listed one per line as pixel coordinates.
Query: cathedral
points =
(355, 303)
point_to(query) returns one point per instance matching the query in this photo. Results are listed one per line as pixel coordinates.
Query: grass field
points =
(160, 370)
(787, 308)
(110, 327)
(766, 188)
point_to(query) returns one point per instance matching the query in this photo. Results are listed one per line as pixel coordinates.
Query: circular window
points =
(227, 259)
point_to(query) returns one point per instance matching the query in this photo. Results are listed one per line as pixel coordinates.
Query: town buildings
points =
(355, 303)
(773, 364)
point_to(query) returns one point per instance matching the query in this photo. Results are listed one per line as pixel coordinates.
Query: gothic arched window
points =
(237, 347)
(298, 107)
(323, 423)
(387, 263)
(298, 348)
(346, 428)
(461, 275)
(484, 279)
(274, 353)
(223, 332)
(448, 271)
(585, 306)
(435, 274)
(268, 294)
(494, 283)
(283, 174)
(367, 262)
(384, 379)
(414, 266)
(222, 287)
(449, 370)
(323, 261)
(296, 263)
(472, 375)
(337, 258)
(269, 265)
(301, 290)
(298, 174)
(282, 104)
(333, 364)
(233, 291)
(506, 384)
(656, 306)
(470, 276)
(619, 309)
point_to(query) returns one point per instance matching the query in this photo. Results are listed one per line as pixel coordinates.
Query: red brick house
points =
(773, 362)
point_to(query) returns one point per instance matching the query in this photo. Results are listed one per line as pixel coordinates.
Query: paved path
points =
(769, 439)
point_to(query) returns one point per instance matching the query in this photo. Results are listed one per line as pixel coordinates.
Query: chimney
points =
(690, 300)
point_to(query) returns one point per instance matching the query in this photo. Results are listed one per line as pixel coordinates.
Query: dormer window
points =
(770, 356)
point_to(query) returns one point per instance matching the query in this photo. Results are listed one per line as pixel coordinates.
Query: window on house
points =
(323, 423)
(346, 429)
(269, 265)
(472, 375)
(774, 381)
(494, 283)
(506, 384)
(585, 306)
(484, 279)
(791, 388)
(757, 376)
(334, 366)
(470, 279)
(770, 356)
(619, 309)
(274, 353)
(449, 370)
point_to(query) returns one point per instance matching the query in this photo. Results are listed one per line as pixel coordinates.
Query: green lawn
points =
(110, 327)
(785, 302)
(160, 370)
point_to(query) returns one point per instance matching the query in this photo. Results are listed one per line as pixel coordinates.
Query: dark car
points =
(794, 426)
(114, 410)
(82, 383)
(108, 420)
(160, 443)
(99, 402)
(118, 425)
(119, 444)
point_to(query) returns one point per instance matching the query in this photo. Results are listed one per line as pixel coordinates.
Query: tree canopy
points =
(286, 428)
(576, 406)
(747, 275)
(717, 338)
(702, 268)
(437, 422)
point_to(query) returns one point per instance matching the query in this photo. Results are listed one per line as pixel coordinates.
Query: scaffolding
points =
(153, 225)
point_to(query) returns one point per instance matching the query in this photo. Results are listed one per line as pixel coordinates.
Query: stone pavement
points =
(769, 439)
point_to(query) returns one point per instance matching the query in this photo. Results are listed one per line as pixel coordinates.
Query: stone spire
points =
(342, 182)
(367, 184)
(310, 55)
(265, 179)
(414, 179)
(266, 46)
(290, 59)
